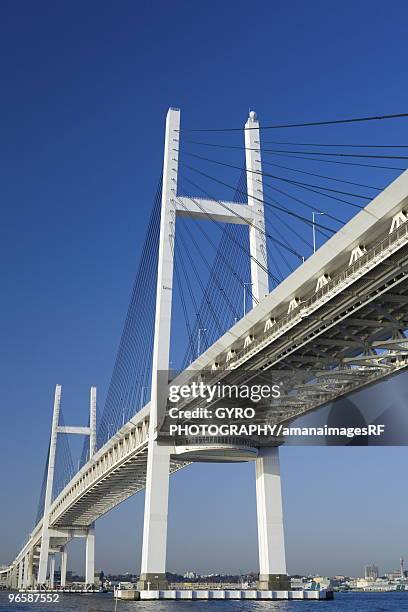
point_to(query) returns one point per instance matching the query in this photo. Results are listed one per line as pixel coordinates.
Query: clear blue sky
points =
(85, 88)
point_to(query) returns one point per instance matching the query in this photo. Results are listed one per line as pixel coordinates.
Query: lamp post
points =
(200, 329)
(245, 289)
(142, 395)
(314, 228)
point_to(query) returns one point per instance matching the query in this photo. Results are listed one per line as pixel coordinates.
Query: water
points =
(343, 602)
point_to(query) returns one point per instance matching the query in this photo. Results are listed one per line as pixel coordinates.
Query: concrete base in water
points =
(273, 582)
(129, 594)
(149, 582)
(217, 594)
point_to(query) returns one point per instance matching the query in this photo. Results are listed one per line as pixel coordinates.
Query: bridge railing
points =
(368, 258)
(213, 440)
(130, 439)
(378, 252)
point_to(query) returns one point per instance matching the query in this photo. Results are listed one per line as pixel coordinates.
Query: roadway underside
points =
(124, 480)
(354, 340)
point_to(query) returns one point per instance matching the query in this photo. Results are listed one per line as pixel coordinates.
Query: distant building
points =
(379, 584)
(190, 575)
(371, 572)
(322, 582)
(395, 575)
(296, 584)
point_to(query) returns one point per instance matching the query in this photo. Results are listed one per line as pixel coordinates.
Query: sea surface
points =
(343, 602)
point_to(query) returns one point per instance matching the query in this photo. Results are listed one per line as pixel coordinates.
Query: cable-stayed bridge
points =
(339, 316)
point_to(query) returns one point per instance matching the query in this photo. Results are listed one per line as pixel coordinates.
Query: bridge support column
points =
(153, 571)
(45, 537)
(28, 570)
(20, 574)
(14, 577)
(257, 237)
(64, 559)
(92, 423)
(52, 571)
(90, 557)
(272, 562)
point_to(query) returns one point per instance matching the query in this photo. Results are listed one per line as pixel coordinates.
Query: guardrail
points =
(367, 259)
(120, 451)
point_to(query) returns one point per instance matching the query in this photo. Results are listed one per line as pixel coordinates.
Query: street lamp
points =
(314, 228)
(200, 329)
(245, 286)
(142, 394)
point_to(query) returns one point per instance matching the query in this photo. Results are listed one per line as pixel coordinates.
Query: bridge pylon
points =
(46, 563)
(268, 489)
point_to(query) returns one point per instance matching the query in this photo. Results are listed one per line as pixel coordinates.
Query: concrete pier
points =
(220, 594)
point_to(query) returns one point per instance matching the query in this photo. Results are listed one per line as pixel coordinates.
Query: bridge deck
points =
(357, 320)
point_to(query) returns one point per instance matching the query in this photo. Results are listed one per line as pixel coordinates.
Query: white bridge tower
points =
(268, 486)
(46, 565)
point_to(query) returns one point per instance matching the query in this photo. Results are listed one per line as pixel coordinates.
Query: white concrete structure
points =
(271, 544)
(222, 594)
(46, 532)
(158, 456)
(355, 322)
(64, 559)
(45, 537)
(52, 571)
(257, 236)
(90, 557)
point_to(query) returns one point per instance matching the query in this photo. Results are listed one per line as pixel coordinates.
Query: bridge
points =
(340, 316)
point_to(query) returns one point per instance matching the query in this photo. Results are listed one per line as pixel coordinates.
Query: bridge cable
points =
(330, 178)
(41, 500)
(280, 178)
(203, 289)
(209, 304)
(213, 294)
(227, 250)
(321, 153)
(289, 212)
(133, 363)
(321, 144)
(294, 155)
(130, 355)
(268, 235)
(331, 197)
(245, 221)
(223, 258)
(144, 304)
(336, 161)
(209, 216)
(238, 216)
(306, 124)
(301, 185)
(181, 292)
(64, 465)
